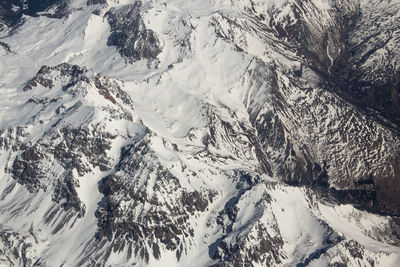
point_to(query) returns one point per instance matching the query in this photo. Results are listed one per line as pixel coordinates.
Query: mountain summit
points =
(200, 133)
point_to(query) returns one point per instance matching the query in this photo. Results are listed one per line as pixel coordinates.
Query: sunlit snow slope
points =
(200, 133)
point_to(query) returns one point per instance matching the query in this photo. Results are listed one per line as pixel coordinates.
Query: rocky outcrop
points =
(248, 142)
(11, 12)
(322, 138)
(73, 150)
(130, 35)
(145, 210)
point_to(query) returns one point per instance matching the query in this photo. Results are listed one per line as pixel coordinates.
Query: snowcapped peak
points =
(204, 133)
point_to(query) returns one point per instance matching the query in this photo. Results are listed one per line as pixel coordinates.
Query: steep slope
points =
(209, 133)
(322, 139)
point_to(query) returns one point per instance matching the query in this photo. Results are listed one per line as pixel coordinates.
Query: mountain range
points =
(200, 133)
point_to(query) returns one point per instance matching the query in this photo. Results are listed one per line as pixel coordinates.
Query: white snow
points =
(208, 77)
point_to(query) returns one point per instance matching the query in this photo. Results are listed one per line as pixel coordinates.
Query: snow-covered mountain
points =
(199, 133)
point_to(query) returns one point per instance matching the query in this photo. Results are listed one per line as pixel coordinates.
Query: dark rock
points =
(65, 190)
(25, 169)
(194, 201)
(104, 91)
(5, 46)
(95, 2)
(355, 249)
(164, 224)
(11, 11)
(72, 73)
(129, 34)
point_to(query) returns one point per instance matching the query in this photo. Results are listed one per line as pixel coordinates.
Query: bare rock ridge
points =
(209, 133)
(328, 42)
(130, 36)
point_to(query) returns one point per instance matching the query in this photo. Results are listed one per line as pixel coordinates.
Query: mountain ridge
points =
(208, 133)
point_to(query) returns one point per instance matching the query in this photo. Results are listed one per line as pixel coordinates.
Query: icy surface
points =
(179, 140)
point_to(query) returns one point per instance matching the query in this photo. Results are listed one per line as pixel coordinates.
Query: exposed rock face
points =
(129, 33)
(16, 250)
(11, 12)
(370, 76)
(209, 133)
(146, 223)
(33, 7)
(63, 152)
(95, 2)
(337, 138)
(337, 141)
(9, 15)
(258, 244)
(73, 74)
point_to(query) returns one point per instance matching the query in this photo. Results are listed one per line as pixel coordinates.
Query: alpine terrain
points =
(200, 133)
